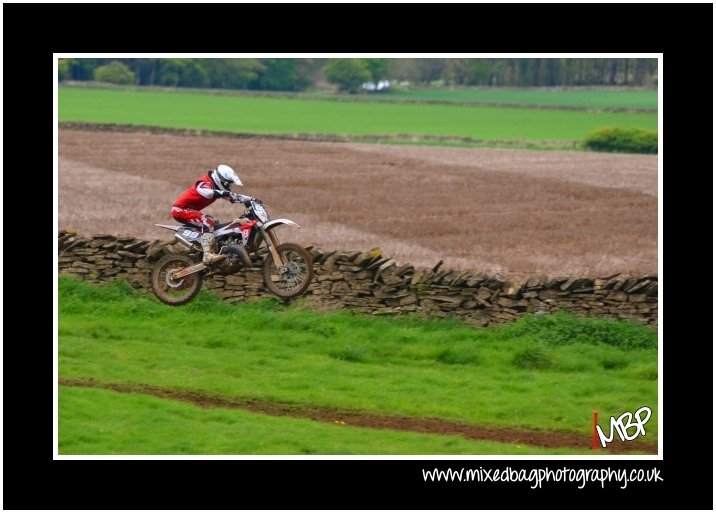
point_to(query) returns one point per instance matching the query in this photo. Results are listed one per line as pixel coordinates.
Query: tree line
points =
(283, 74)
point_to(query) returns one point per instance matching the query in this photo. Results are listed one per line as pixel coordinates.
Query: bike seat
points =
(191, 227)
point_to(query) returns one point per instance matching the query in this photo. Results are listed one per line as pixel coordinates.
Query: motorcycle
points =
(287, 269)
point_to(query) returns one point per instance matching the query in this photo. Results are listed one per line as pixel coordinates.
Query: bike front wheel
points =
(294, 277)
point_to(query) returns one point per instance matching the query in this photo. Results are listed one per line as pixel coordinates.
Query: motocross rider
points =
(205, 190)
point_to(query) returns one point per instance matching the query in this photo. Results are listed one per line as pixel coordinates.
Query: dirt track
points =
(511, 212)
(357, 418)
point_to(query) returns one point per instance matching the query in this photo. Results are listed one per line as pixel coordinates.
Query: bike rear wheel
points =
(175, 292)
(294, 277)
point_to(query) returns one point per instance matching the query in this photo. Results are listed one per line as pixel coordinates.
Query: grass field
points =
(105, 422)
(293, 116)
(545, 373)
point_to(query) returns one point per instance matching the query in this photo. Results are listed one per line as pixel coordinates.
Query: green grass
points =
(546, 372)
(95, 421)
(588, 98)
(261, 115)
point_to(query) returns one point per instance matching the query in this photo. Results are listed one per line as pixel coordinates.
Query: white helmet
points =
(223, 176)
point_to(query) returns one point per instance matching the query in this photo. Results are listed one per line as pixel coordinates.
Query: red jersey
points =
(198, 196)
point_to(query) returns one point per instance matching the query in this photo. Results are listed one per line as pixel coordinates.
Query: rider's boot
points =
(208, 244)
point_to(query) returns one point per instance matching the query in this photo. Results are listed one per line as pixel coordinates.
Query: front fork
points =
(272, 243)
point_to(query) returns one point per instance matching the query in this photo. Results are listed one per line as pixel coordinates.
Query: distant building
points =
(381, 85)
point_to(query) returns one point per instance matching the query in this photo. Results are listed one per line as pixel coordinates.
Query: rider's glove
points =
(256, 200)
(233, 197)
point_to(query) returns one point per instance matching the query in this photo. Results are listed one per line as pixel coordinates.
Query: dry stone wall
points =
(373, 283)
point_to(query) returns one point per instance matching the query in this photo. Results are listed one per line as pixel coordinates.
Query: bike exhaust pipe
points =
(182, 240)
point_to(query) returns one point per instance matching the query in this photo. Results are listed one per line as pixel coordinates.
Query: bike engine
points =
(238, 259)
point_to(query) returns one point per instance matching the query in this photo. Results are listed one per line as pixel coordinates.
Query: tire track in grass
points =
(356, 418)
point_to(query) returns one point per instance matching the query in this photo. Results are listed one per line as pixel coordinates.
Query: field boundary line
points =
(438, 140)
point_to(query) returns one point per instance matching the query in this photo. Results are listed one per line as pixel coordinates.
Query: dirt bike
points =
(287, 270)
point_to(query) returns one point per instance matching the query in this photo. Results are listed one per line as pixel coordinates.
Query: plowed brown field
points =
(512, 212)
